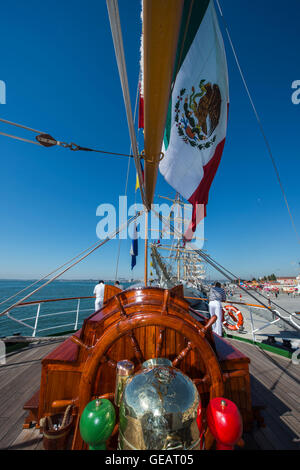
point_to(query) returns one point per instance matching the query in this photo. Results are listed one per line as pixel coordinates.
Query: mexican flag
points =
(197, 117)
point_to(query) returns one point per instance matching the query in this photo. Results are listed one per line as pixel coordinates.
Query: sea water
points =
(54, 317)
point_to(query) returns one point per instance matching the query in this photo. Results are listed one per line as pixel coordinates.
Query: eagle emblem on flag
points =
(197, 114)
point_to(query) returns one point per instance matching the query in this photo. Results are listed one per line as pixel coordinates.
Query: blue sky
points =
(59, 67)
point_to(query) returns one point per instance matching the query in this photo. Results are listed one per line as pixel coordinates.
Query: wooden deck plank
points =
(262, 440)
(24, 384)
(276, 417)
(40, 446)
(13, 430)
(23, 369)
(267, 399)
(279, 387)
(292, 422)
(279, 391)
(276, 380)
(275, 384)
(29, 439)
(285, 436)
(14, 366)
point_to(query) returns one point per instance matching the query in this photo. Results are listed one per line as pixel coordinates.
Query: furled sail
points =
(161, 26)
(198, 109)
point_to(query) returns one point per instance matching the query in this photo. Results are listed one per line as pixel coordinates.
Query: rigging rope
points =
(46, 140)
(126, 184)
(114, 18)
(258, 121)
(161, 266)
(47, 275)
(98, 245)
(119, 244)
(19, 138)
(20, 125)
(225, 272)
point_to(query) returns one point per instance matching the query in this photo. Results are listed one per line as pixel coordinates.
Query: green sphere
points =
(97, 423)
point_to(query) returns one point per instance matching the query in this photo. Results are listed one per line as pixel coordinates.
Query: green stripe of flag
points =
(194, 19)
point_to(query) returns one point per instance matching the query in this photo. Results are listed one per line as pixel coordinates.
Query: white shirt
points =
(99, 291)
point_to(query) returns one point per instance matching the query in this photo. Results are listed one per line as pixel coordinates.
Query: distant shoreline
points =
(70, 280)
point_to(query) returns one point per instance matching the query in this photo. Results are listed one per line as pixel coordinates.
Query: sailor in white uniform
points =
(216, 296)
(117, 284)
(99, 293)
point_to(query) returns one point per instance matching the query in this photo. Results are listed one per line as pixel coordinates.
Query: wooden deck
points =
(19, 379)
(274, 383)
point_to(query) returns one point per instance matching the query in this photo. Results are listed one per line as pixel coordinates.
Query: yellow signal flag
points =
(137, 183)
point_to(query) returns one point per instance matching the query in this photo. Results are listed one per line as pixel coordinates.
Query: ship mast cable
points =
(126, 184)
(114, 18)
(216, 265)
(119, 244)
(258, 121)
(20, 125)
(19, 138)
(47, 275)
(103, 242)
(69, 261)
(37, 143)
(45, 140)
(23, 127)
(247, 290)
(225, 272)
(233, 277)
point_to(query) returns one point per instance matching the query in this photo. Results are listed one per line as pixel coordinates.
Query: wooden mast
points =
(161, 25)
(146, 250)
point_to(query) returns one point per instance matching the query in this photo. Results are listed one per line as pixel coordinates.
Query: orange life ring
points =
(236, 318)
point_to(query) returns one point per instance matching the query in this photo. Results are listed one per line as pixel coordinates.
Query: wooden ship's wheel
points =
(170, 335)
(137, 325)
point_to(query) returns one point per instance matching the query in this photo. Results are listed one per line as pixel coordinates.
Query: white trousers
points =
(215, 308)
(98, 303)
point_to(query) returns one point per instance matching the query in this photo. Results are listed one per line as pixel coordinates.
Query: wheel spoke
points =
(206, 380)
(123, 313)
(110, 362)
(105, 396)
(182, 355)
(136, 347)
(209, 324)
(160, 341)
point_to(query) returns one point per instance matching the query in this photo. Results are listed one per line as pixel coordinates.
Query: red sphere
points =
(225, 422)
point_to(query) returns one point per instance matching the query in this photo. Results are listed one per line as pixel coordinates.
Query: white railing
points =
(33, 322)
(292, 318)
